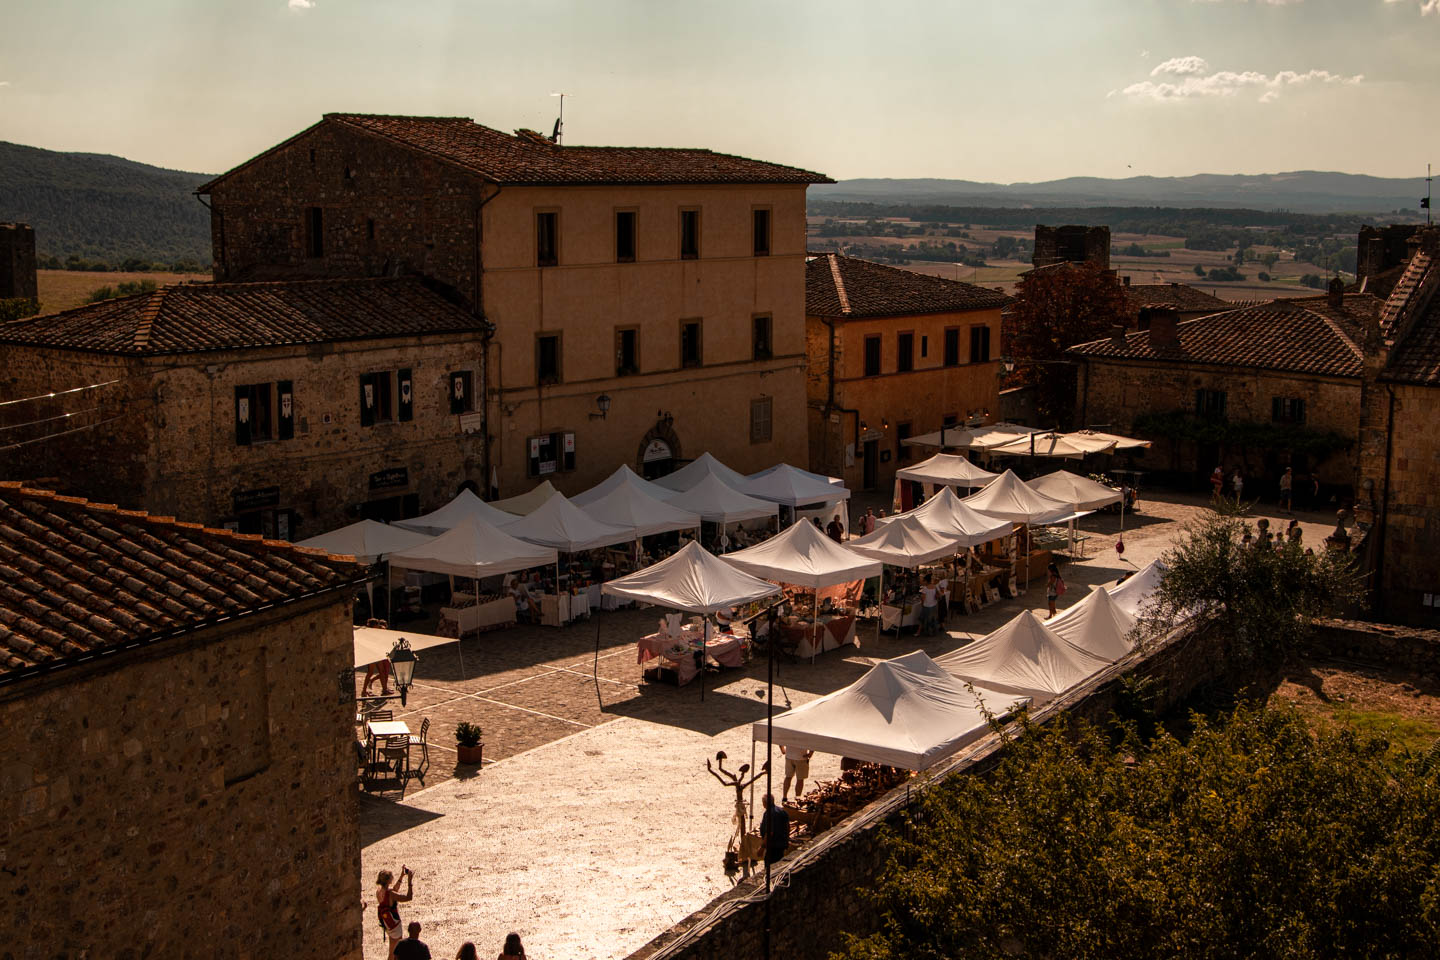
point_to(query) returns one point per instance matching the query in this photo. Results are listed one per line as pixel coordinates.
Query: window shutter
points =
(1199, 401)
(457, 393)
(405, 404)
(244, 410)
(285, 397)
(367, 400)
(1300, 411)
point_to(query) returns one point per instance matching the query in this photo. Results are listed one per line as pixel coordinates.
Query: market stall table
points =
(725, 650)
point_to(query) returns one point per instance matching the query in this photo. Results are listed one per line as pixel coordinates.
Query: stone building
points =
(1072, 243)
(280, 408)
(17, 262)
(1381, 256)
(1185, 301)
(1242, 388)
(178, 774)
(1398, 498)
(893, 354)
(648, 303)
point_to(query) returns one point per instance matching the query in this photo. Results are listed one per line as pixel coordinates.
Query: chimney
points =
(1126, 278)
(1162, 329)
(1117, 336)
(1335, 293)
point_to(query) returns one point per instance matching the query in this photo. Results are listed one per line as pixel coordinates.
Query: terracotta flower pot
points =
(473, 754)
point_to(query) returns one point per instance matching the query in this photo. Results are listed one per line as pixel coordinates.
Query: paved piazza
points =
(593, 825)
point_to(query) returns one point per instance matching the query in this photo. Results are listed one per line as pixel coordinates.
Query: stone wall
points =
(1072, 243)
(195, 796)
(1382, 644)
(17, 262)
(1411, 517)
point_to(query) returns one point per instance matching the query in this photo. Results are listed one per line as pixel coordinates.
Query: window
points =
(905, 352)
(979, 344)
(1210, 403)
(762, 348)
(872, 355)
(546, 239)
(550, 453)
(315, 232)
(689, 234)
(924, 346)
(376, 396)
(760, 422)
(263, 411)
(369, 229)
(952, 346)
(762, 232)
(690, 355)
(462, 391)
(547, 358)
(625, 236)
(902, 433)
(627, 351)
(1287, 410)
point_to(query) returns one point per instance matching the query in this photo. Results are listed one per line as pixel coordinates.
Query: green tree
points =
(1199, 271)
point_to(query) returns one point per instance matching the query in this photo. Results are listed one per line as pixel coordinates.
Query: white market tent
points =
(715, 500)
(788, 485)
(906, 712)
(622, 477)
(1132, 595)
(697, 470)
(691, 579)
(1097, 625)
(473, 549)
(1122, 444)
(373, 644)
(948, 516)
(366, 541)
(630, 506)
(975, 438)
(465, 505)
(1024, 657)
(833, 481)
(560, 524)
(524, 503)
(1009, 498)
(1072, 446)
(948, 470)
(804, 557)
(1082, 493)
(905, 542)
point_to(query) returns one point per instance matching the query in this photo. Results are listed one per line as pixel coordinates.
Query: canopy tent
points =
(473, 549)
(715, 500)
(1072, 446)
(373, 644)
(524, 503)
(697, 470)
(1122, 444)
(905, 542)
(1009, 498)
(465, 505)
(691, 579)
(804, 557)
(1081, 493)
(974, 438)
(833, 481)
(1025, 657)
(947, 469)
(1097, 625)
(626, 505)
(907, 712)
(785, 484)
(948, 516)
(622, 477)
(1133, 595)
(366, 541)
(560, 524)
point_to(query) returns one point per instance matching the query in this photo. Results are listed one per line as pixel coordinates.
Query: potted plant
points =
(467, 742)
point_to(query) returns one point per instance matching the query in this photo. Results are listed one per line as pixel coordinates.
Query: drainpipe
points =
(1382, 523)
(830, 388)
(478, 301)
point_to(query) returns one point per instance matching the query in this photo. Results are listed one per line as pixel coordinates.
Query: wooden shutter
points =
(368, 399)
(405, 402)
(457, 393)
(244, 411)
(285, 399)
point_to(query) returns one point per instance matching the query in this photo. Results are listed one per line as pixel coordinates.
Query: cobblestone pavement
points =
(593, 825)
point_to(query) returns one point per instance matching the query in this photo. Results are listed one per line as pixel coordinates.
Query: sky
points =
(992, 90)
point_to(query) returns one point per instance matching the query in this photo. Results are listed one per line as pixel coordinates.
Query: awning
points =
(804, 557)
(473, 549)
(622, 477)
(1024, 657)
(691, 579)
(632, 506)
(697, 470)
(366, 541)
(524, 503)
(974, 438)
(1097, 625)
(789, 485)
(904, 543)
(947, 469)
(1081, 493)
(715, 500)
(465, 505)
(1064, 445)
(560, 524)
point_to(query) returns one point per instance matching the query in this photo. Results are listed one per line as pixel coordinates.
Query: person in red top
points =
(387, 903)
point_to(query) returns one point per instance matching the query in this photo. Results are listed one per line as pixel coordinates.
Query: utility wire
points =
(59, 393)
(63, 416)
(52, 436)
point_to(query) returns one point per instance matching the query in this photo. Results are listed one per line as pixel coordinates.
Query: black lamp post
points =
(402, 664)
(603, 402)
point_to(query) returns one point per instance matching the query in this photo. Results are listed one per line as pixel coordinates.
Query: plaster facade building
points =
(668, 281)
(179, 757)
(893, 354)
(280, 408)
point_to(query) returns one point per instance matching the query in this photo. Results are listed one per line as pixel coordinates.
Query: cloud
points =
(302, 4)
(4, 83)
(1426, 6)
(1189, 78)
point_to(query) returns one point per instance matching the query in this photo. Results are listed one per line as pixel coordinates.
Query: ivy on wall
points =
(1180, 425)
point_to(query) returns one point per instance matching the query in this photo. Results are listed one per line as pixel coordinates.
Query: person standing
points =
(467, 952)
(775, 829)
(942, 594)
(513, 949)
(1217, 482)
(836, 530)
(797, 766)
(412, 947)
(387, 903)
(1238, 482)
(867, 522)
(1054, 587)
(928, 608)
(1287, 479)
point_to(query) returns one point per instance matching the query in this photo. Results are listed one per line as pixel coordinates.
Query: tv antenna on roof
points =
(560, 121)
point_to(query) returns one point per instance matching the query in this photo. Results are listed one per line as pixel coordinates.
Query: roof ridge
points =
(148, 315)
(839, 283)
(1339, 331)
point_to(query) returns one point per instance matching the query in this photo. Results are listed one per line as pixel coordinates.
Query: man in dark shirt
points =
(836, 530)
(775, 829)
(412, 947)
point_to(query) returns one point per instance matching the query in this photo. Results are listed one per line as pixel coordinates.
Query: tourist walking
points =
(513, 949)
(928, 609)
(387, 903)
(775, 829)
(1238, 482)
(836, 530)
(867, 522)
(1286, 481)
(1054, 588)
(412, 947)
(797, 767)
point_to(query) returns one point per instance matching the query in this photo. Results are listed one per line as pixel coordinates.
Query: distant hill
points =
(1302, 191)
(99, 207)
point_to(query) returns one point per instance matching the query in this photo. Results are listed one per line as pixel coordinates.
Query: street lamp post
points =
(402, 665)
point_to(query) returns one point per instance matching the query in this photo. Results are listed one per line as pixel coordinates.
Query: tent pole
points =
(595, 666)
(880, 604)
(704, 635)
(814, 622)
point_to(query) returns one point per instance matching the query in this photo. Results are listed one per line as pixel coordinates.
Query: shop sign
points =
(258, 499)
(390, 478)
(656, 450)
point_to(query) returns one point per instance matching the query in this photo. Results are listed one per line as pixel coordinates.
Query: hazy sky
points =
(1000, 90)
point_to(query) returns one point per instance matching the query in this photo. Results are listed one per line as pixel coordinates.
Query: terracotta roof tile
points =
(195, 317)
(1176, 296)
(1416, 356)
(841, 286)
(1302, 335)
(71, 584)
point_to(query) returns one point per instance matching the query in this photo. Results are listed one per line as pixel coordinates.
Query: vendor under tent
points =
(623, 477)
(971, 438)
(906, 712)
(560, 524)
(793, 487)
(904, 542)
(1010, 498)
(1071, 446)
(523, 504)
(1024, 657)
(373, 644)
(947, 470)
(465, 505)
(1133, 596)
(631, 506)
(697, 470)
(948, 516)
(1097, 625)
(718, 502)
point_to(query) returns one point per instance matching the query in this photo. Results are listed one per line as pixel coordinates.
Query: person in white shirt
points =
(928, 609)
(942, 591)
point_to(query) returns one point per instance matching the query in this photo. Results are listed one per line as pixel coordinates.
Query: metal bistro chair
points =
(369, 769)
(380, 715)
(395, 754)
(417, 770)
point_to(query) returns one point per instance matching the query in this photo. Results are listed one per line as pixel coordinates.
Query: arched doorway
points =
(659, 451)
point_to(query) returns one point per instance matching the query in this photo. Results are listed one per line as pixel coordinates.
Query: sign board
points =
(258, 499)
(390, 478)
(871, 434)
(472, 422)
(656, 450)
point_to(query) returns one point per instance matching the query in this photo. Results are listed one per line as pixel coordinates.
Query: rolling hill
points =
(99, 207)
